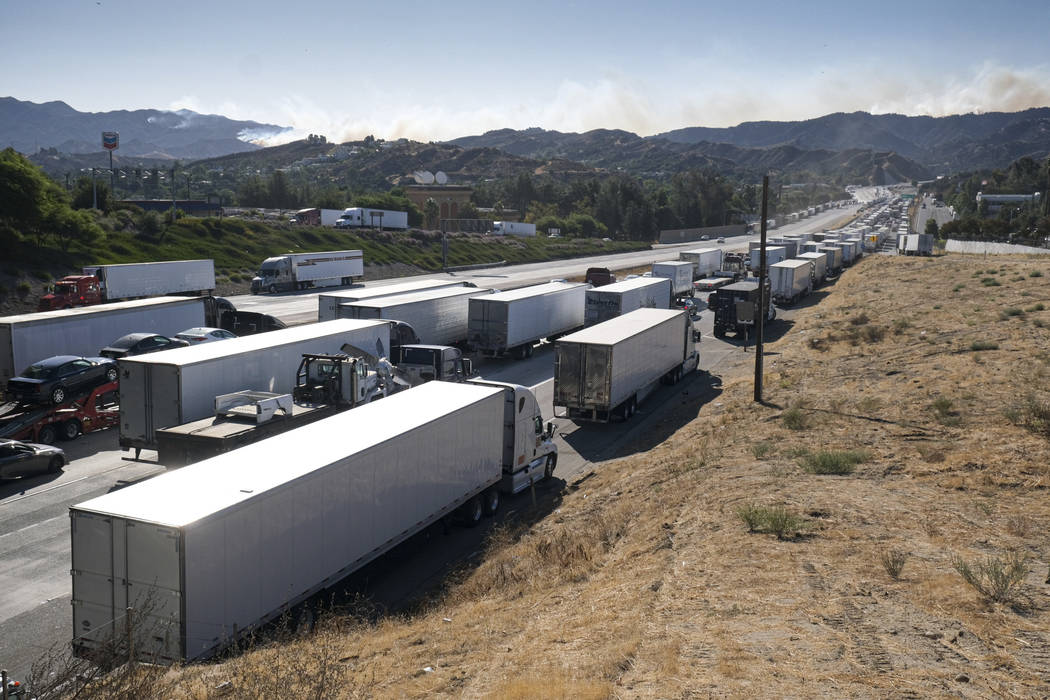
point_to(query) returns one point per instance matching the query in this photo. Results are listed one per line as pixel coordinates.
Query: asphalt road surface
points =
(35, 611)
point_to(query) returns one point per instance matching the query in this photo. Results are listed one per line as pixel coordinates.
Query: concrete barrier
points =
(685, 235)
(987, 248)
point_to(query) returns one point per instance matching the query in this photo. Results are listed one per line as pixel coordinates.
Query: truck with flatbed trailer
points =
(328, 302)
(204, 555)
(610, 301)
(605, 371)
(512, 322)
(28, 338)
(790, 280)
(86, 412)
(105, 283)
(283, 273)
(724, 304)
(173, 387)
(680, 273)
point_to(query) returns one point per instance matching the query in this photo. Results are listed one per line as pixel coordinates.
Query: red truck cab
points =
(70, 291)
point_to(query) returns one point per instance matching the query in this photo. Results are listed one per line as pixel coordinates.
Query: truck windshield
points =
(65, 288)
(417, 356)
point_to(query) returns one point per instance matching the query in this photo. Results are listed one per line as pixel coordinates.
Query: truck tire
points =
(46, 435)
(58, 395)
(71, 429)
(720, 332)
(548, 468)
(492, 500)
(472, 511)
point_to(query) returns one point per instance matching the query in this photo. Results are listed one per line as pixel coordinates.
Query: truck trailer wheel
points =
(472, 511)
(492, 499)
(71, 429)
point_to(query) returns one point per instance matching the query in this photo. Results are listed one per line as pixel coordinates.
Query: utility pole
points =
(173, 195)
(760, 321)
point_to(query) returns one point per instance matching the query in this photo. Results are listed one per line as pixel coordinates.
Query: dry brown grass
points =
(646, 584)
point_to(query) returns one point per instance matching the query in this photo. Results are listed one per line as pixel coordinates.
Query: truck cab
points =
(70, 291)
(423, 363)
(723, 302)
(275, 274)
(529, 452)
(336, 379)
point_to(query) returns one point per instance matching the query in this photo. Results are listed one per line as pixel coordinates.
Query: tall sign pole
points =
(760, 313)
(111, 142)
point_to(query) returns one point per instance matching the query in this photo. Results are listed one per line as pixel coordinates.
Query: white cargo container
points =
(811, 246)
(363, 217)
(173, 387)
(438, 316)
(328, 302)
(790, 280)
(308, 270)
(917, 244)
(820, 266)
(774, 254)
(515, 320)
(789, 245)
(679, 272)
(206, 554)
(706, 261)
(28, 338)
(513, 228)
(606, 370)
(848, 251)
(620, 298)
(132, 280)
(834, 254)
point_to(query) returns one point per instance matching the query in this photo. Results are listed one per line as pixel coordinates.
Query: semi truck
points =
(438, 316)
(204, 555)
(328, 302)
(606, 370)
(308, 270)
(419, 364)
(774, 254)
(174, 387)
(325, 383)
(514, 321)
(706, 261)
(103, 283)
(28, 338)
(725, 303)
(88, 411)
(915, 244)
(834, 254)
(364, 217)
(820, 266)
(680, 273)
(790, 280)
(317, 217)
(513, 228)
(619, 298)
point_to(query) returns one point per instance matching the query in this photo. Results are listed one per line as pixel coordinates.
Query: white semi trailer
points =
(820, 266)
(364, 217)
(308, 270)
(438, 316)
(173, 387)
(790, 280)
(135, 280)
(620, 298)
(605, 371)
(706, 261)
(28, 338)
(679, 272)
(328, 302)
(514, 321)
(206, 554)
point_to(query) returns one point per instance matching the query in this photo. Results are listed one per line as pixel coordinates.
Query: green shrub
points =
(1009, 313)
(860, 319)
(1035, 273)
(23, 289)
(776, 520)
(1037, 307)
(979, 345)
(763, 449)
(996, 579)
(837, 462)
(794, 419)
(990, 282)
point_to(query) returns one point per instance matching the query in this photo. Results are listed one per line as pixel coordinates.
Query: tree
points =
(431, 212)
(931, 227)
(84, 192)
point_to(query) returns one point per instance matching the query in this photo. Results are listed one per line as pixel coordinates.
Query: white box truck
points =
(317, 217)
(438, 316)
(605, 371)
(328, 302)
(133, 280)
(706, 261)
(820, 266)
(834, 254)
(774, 254)
(513, 228)
(173, 387)
(205, 554)
(619, 298)
(515, 320)
(790, 280)
(789, 245)
(848, 251)
(28, 338)
(363, 217)
(679, 272)
(308, 270)
(917, 244)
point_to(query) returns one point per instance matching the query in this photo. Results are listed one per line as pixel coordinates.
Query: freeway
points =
(35, 613)
(929, 209)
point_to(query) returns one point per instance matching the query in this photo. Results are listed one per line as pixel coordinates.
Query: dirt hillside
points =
(723, 562)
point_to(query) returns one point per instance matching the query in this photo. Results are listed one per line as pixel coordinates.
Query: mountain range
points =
(144, 133)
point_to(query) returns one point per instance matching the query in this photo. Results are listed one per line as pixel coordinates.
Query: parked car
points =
(195, 336)
(140, 344)
(55, 379)
(27, 458)
(721, 239)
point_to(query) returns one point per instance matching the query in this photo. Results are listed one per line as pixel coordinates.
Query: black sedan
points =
(57, 379)
(28, 458)
(140, 344)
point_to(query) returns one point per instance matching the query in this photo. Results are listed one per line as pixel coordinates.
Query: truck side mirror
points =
(550, 430)
(468, 367)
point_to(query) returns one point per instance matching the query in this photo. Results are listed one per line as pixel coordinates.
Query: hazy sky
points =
(440, 69)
